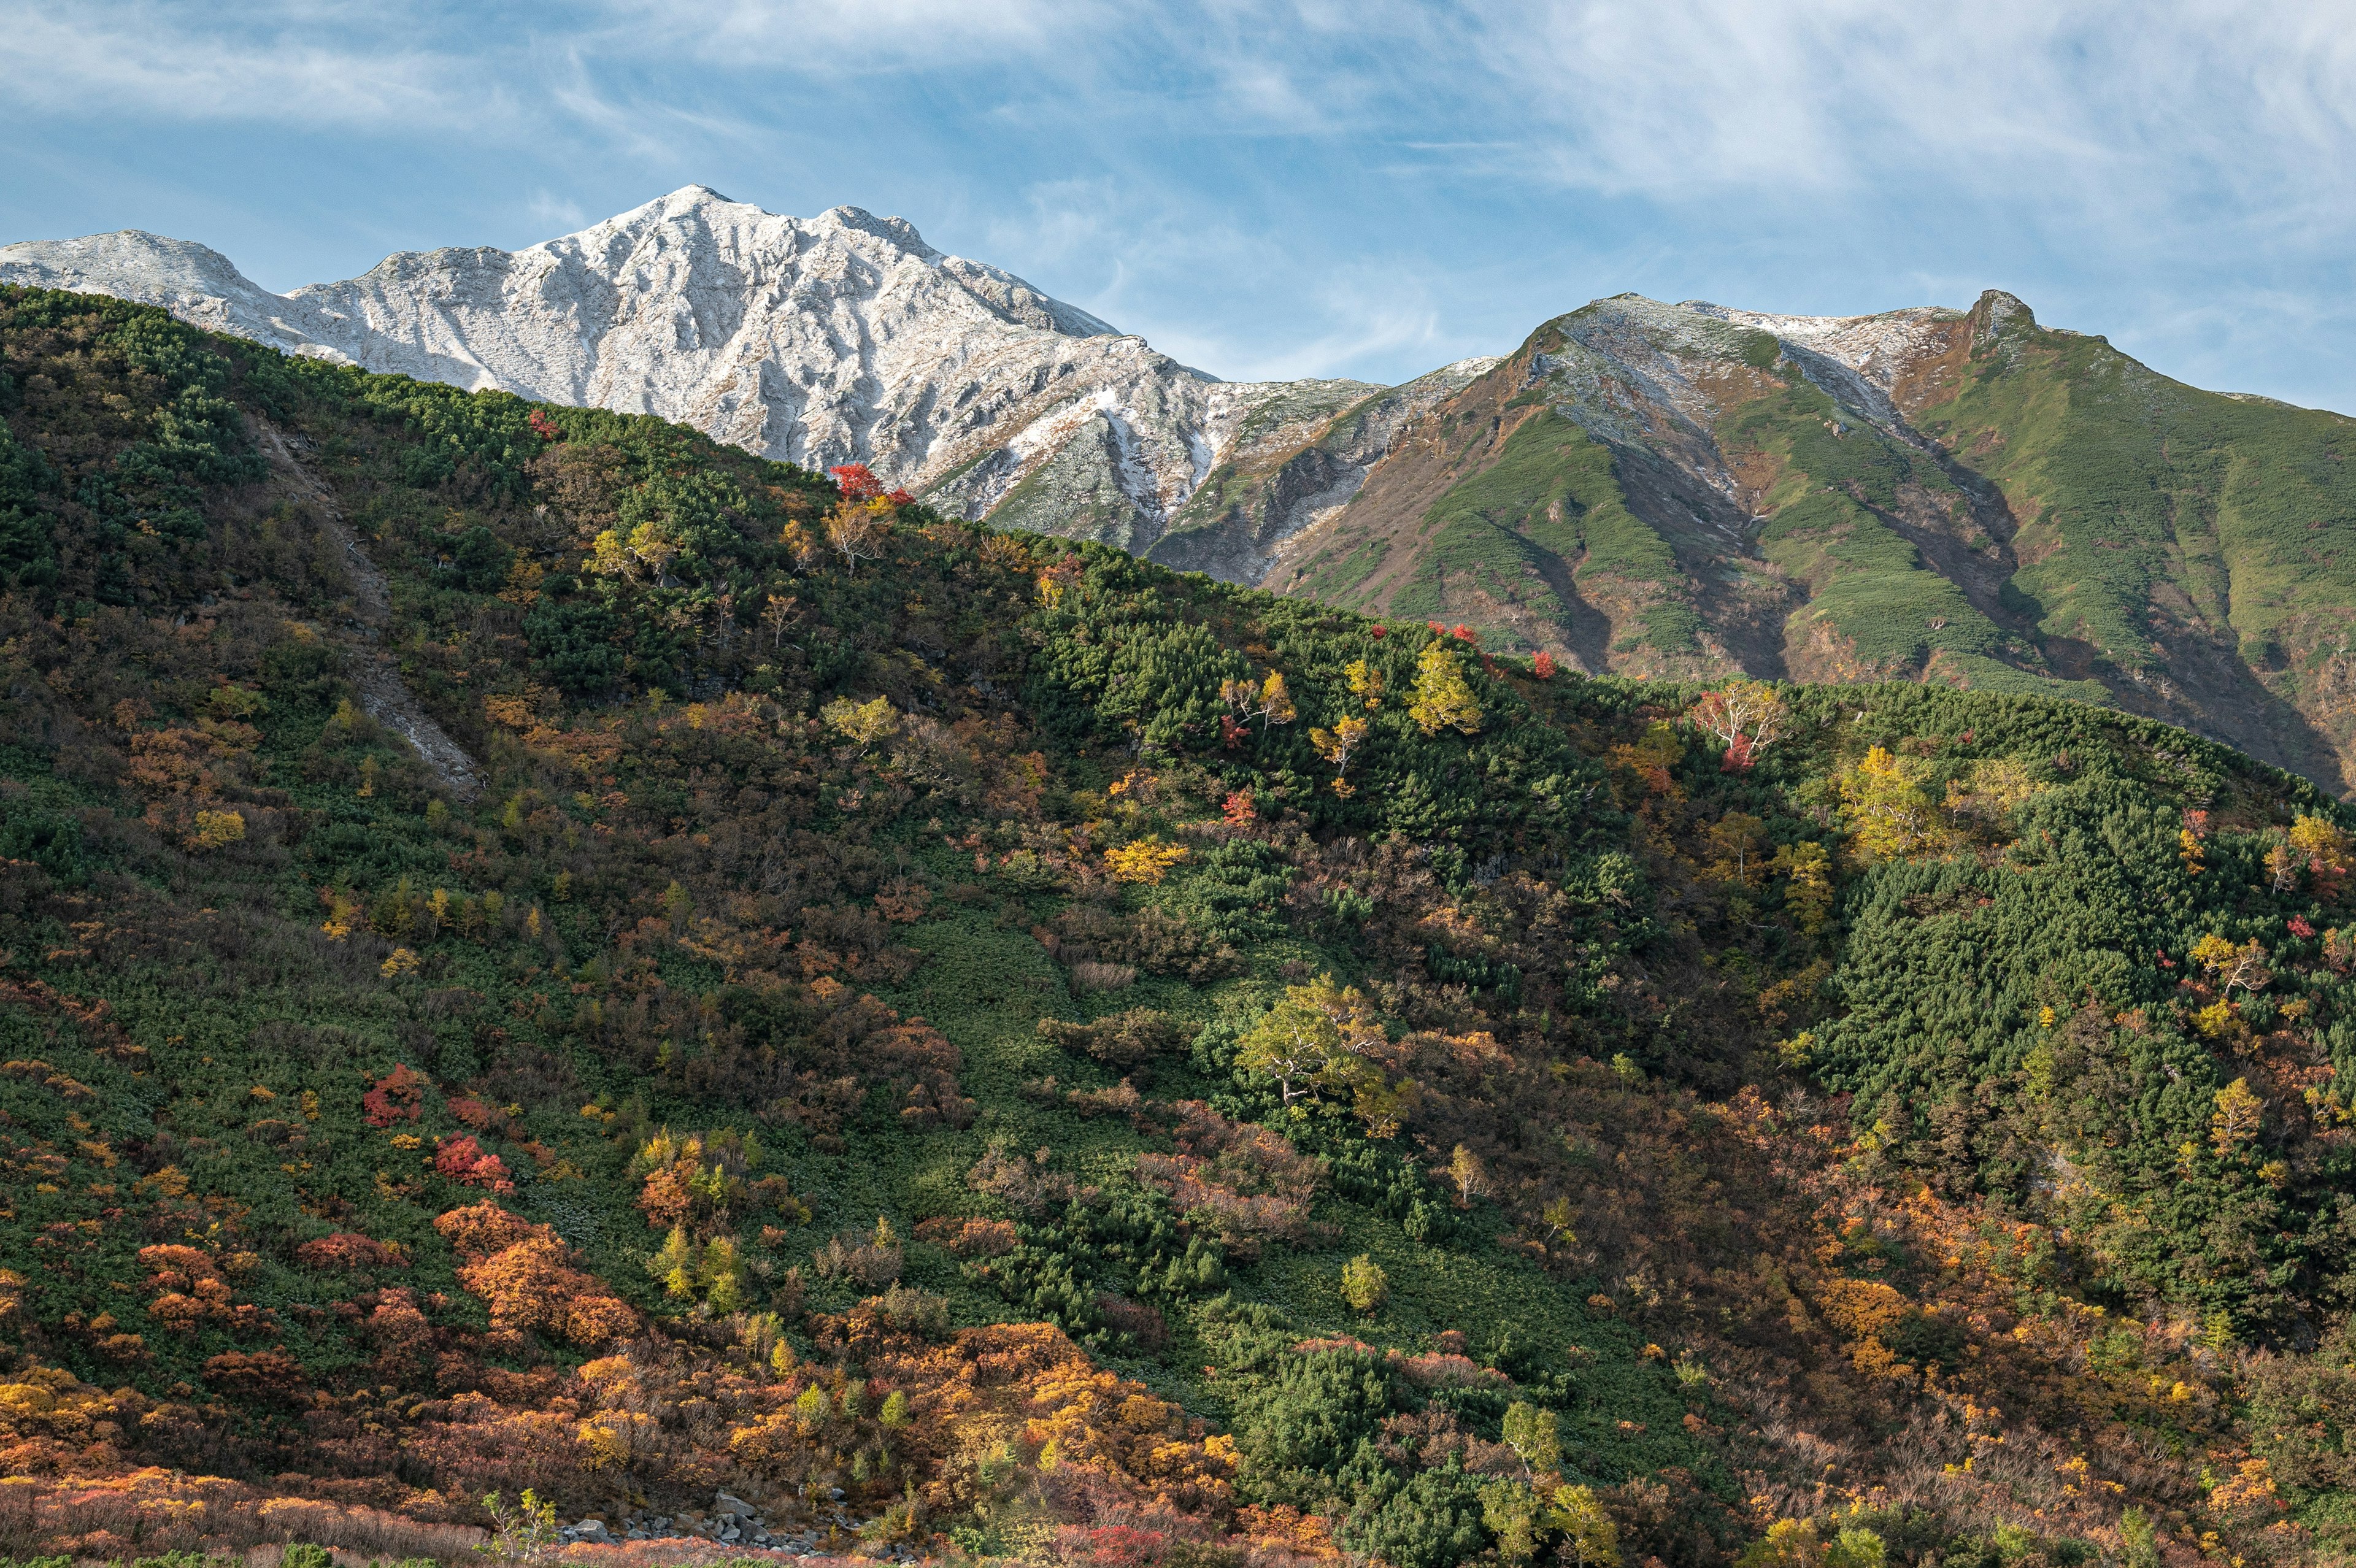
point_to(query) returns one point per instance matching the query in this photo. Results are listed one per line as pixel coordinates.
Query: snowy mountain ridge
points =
(835, 339)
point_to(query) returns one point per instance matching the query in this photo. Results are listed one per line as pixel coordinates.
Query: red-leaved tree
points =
(856, 483)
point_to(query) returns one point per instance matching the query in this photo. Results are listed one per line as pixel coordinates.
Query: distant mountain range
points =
(1641, 488)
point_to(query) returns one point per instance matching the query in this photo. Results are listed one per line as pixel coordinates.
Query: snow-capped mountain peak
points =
(840, 338)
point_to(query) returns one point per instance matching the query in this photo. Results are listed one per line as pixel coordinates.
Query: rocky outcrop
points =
(1297, 460)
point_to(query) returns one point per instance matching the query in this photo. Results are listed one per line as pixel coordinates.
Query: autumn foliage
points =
(531, 1278)
(397, 1097)
(464, 1161)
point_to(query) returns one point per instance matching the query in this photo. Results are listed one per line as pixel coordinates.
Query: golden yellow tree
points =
(2238, 1115)
(860, 724)
(1337, 746)
(1147, 861)
(1269, 700)
(1590, 1539)
(1317, 1039)
(1808, 887)
(2324, 846)
(1276, 701)
(1441, 698)
(1736, 837)
(2241, 968)
(1468, 1175)
(1891, 816)
(856, 529)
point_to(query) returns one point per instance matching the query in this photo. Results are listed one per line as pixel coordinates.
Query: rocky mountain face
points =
(843, 339)
(1959, 496)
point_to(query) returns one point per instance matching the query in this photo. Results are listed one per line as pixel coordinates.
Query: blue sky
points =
(1279, 188)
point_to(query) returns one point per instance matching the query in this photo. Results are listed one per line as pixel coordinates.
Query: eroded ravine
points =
(375, 673)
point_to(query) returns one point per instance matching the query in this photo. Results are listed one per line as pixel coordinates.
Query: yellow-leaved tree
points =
(2234, 968)
(1270, 700)
(2324, 846)
(1441, 698)
(1319, 1039)
(1891, 816)
(1590, 1539)
(1337, 746)
(1147, 861)
(1808, 888)
(860, 724)
(857, 528)
(2237, 1118)
(1800, 1543)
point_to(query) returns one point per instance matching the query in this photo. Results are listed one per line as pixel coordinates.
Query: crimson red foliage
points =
(1113, 1546)
(463, 1161)
(856, 483)
(398, 1096)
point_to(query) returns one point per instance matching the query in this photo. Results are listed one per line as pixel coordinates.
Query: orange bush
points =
(347, 1249)
(531, 1278)
(969, 1238)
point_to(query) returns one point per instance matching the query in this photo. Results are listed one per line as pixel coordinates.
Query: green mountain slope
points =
(1961, 498)
(916, 1027)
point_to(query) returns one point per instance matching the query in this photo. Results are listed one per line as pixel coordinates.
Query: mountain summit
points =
(841, 339)
(1961, 496)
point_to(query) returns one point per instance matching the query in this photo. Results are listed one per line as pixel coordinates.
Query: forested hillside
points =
(1963, 497)
(990, 1049)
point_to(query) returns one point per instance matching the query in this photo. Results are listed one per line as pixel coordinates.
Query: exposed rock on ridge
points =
(1294, 463)
(1643, 488)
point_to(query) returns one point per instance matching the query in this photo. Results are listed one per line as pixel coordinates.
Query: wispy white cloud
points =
(856, 39)
(1662, 99)
(1359, 324)
(554, 211)
(1115, 251)
(320, 64)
